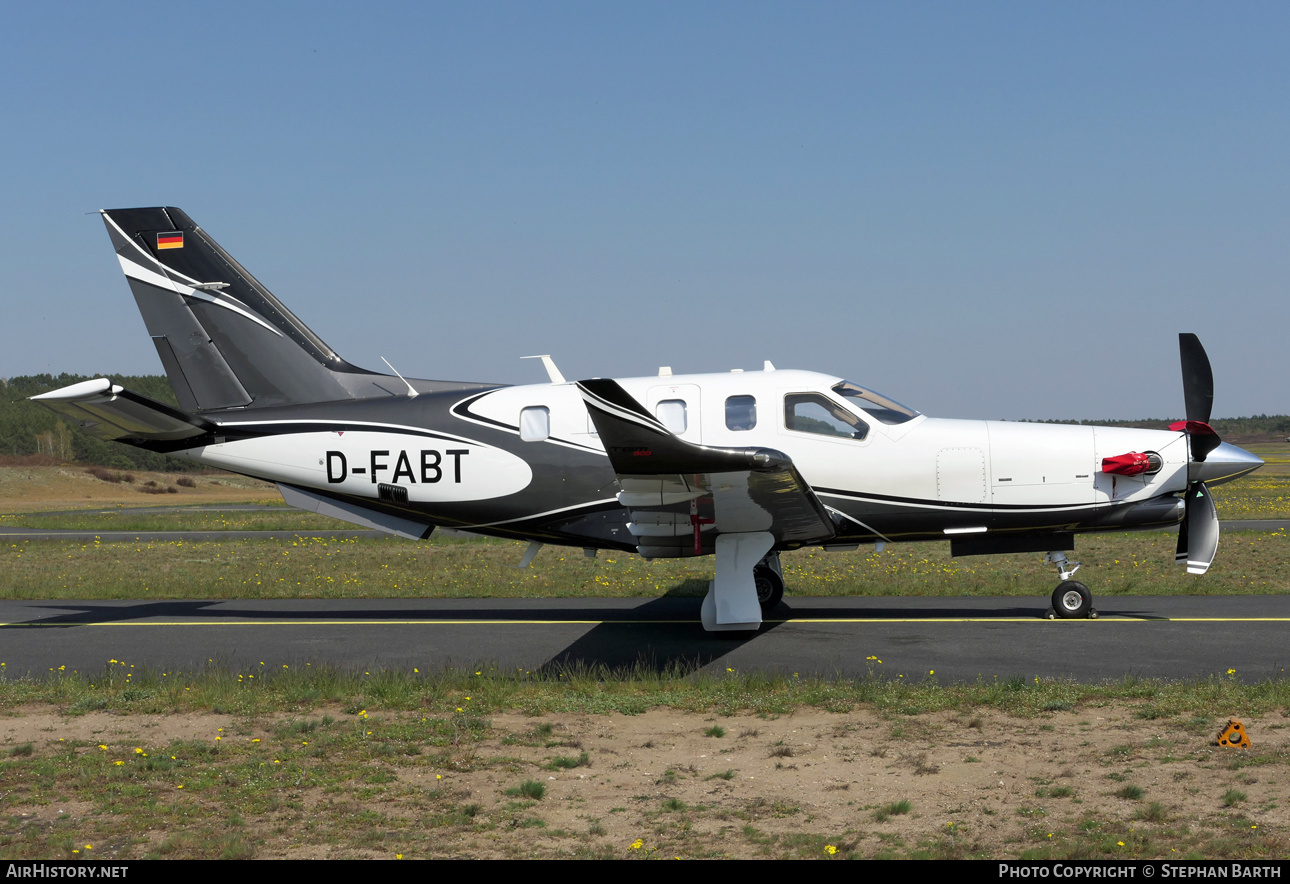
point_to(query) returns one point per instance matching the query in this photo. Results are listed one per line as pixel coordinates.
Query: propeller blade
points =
(1198, 533)
(1198, 378)
(1198, 395)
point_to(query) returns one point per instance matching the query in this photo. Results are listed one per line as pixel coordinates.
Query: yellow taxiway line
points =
(509, 622)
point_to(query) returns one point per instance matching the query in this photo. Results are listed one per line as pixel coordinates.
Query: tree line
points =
(30, 429)
(1227, 427)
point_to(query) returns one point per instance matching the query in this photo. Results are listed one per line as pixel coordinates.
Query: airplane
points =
(741, 465)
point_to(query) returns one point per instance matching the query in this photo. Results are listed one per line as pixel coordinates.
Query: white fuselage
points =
(918, 476)
(926, 459)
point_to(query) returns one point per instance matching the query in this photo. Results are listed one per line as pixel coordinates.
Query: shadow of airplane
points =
(677, 613)
(661, 635)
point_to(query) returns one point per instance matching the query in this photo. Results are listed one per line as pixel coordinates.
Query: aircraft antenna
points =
(551, 371)
(412, 391)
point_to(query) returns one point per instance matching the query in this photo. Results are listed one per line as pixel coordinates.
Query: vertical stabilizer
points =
(224, 339)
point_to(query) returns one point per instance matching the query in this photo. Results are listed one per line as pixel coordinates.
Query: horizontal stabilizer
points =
(109, 411)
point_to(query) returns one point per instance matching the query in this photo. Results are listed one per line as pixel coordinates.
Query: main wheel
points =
(1072, 600)
(770, 587)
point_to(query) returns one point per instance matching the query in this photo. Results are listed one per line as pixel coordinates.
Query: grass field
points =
(206, 517)
(26, 488)
(1140, 563)
(1264, 494)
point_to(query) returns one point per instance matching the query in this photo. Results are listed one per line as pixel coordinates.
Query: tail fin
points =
(224, 340)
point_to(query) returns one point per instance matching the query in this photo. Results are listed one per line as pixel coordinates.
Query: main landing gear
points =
(769, 580)
(1071, 599)
(748, 583)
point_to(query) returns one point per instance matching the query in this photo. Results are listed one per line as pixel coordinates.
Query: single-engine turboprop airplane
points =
(741, 464)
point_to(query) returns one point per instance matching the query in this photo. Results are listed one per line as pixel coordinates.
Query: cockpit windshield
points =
(888, 411)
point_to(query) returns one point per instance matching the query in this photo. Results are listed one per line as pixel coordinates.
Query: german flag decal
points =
(173, 239)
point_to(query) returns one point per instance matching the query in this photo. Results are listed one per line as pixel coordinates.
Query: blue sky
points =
(999, 210)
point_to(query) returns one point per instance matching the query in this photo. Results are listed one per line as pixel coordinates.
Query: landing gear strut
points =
(733, 602)
(748, 583)
(1071, 599)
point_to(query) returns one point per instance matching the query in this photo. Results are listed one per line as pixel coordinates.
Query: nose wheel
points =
(1071, 599)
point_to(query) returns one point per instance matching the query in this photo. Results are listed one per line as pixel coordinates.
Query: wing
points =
(109, 411)
(682, 496)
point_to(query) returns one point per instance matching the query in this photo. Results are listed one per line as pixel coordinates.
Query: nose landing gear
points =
(1071, 599)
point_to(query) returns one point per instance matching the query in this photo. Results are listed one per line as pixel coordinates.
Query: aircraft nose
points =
(1227, 462)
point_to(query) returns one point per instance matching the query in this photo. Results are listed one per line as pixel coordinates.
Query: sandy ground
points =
(28, 489)
(976, 782)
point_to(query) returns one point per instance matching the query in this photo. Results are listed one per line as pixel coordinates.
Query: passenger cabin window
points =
(741, 412)
(671, 414)
(813, 413)
(535, 423)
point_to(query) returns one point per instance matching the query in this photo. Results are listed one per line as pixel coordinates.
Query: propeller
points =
(1198, 378)
(1198, 533)
(1198, 396)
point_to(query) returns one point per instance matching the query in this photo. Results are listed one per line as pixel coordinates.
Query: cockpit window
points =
(814, 413)
(888, 411)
